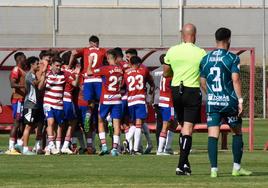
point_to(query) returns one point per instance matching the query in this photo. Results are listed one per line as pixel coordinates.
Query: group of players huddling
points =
(76, 95)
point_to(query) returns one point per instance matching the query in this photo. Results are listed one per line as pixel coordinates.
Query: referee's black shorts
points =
(188, 104)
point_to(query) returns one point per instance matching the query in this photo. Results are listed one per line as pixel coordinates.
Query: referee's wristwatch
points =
(240, 100)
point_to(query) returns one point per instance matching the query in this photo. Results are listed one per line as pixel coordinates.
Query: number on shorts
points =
(132, 79)
(217, 86)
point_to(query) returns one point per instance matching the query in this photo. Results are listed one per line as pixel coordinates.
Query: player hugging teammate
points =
(79, 93)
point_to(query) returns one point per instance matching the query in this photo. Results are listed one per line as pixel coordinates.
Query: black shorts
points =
(31, 116)
(188, 104)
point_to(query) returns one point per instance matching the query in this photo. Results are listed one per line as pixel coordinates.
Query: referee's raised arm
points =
(183, 61)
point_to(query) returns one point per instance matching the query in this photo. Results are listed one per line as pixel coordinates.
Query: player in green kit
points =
(220, 80)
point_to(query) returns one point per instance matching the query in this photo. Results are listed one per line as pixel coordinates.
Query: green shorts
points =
(217, 119)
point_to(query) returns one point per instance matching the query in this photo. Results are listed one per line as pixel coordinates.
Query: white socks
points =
(51, 144)
(161, 144)
(58, 144)
(137, 138)
(102, 138)
(11, 144)
(116, 141)
(236, 166)
(65, 144)
(20, 142)
(129, 137)
(214, 169)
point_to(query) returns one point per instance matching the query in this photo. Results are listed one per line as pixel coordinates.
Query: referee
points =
(182, 61)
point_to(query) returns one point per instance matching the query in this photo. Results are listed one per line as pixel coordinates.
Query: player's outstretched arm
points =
(76, 76)
(41, 83)
(75, 54)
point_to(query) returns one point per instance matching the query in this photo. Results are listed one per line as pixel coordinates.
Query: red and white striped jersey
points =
(135, 79)
(111, 85)
(165, 95)
(54, 89)
(98, 55)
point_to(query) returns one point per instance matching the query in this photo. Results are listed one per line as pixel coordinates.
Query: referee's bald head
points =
(188, 33)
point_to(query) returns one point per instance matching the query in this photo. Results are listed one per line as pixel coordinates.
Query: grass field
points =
(134, 171)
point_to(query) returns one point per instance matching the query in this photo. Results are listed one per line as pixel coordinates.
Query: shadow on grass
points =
(225, 174)
(259, 174)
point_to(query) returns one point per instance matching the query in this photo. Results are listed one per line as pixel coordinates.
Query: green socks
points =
(237, 148)
(213, 151)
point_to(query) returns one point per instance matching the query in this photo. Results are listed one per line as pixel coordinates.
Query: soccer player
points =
(17, 77)
(167, 113)
(32, 110)
(70, 110)
(53, 102)
(45, 57)
(130, 53)
(83, 109)
(128, 143)
(45, 61)
(110, 100)
(136, 78)
(157, 74)
(93, 57)
(220, 79)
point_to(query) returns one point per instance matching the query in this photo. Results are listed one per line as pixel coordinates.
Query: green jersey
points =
(217, 68)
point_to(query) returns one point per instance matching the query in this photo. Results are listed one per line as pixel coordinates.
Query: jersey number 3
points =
(217, 79)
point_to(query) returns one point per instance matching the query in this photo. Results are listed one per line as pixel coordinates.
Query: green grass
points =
(134, 171)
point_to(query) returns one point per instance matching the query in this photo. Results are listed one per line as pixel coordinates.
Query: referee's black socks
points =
(185, 147)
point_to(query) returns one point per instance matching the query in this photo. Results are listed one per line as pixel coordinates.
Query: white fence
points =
(134, 3)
